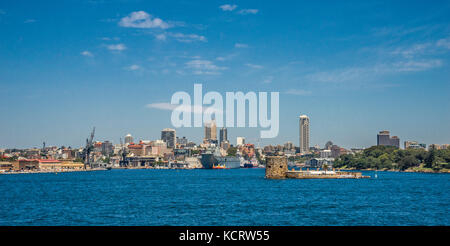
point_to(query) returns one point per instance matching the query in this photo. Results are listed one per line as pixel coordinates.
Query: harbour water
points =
(221, 197)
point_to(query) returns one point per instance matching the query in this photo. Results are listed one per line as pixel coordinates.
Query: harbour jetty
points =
(277, 168)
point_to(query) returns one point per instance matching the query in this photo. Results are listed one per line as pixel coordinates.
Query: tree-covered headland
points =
(392, 158)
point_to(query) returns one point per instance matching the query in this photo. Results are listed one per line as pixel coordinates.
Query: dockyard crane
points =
(87, 150)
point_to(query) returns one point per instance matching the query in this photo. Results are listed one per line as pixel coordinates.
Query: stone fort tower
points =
(276, 167)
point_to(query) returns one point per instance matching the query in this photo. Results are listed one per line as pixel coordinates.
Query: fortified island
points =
(277, 168)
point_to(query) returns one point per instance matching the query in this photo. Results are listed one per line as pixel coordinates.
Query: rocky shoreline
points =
(410, 170)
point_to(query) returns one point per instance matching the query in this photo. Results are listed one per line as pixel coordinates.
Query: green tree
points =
(232, 151)
(431, 158)
(407, 162)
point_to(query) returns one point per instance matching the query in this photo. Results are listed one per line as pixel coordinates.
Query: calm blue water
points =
(221, 197)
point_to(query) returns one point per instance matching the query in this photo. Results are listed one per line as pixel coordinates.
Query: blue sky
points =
(354, 67)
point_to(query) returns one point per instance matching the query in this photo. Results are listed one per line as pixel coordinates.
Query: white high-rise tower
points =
(304, 134)
(128, 139)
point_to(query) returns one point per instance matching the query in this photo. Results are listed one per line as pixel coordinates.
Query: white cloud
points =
(298, 92)
(248, 11)
(413, 50)
(398, 31)
(339, 75)
(200, 67)
(373, 72)
(443, 43)
(188, 38)
(29, 21)
(162, 106)
(268, 80)
(254, 66)
(415, 66)
(227, 57)
(239, 45)
(133, 67)
(141, 19)
(87, 53)
(109, 39)
(182, 108)
(161, 37)
(116, 47)
(180, 37)
(228, 7)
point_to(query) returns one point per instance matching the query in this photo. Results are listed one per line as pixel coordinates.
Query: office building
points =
(223, 135)
(168, 135)
(210, 131)
(384, 139)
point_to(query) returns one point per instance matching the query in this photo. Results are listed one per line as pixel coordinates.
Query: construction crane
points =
(87, 150)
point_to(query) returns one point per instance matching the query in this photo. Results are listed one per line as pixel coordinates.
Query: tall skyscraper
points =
(169, 136)
(128, 139)
(304, 134)
(211, 131)
(383, 138)
(223, 135)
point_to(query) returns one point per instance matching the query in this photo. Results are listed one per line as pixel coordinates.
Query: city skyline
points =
(67, 67)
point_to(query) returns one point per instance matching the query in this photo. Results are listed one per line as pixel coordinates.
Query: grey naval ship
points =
(212, 159)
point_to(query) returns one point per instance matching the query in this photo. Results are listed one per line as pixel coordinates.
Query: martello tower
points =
(276, 167)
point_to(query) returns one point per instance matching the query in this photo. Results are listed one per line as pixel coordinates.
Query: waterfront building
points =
(223, 135)
(304, 134)
(26, 164)
(240, 141)
(168, 135)
(46, 165)
(6, 166)
(142, 161)
(384, 139)
(128, 139)
(55, 165)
